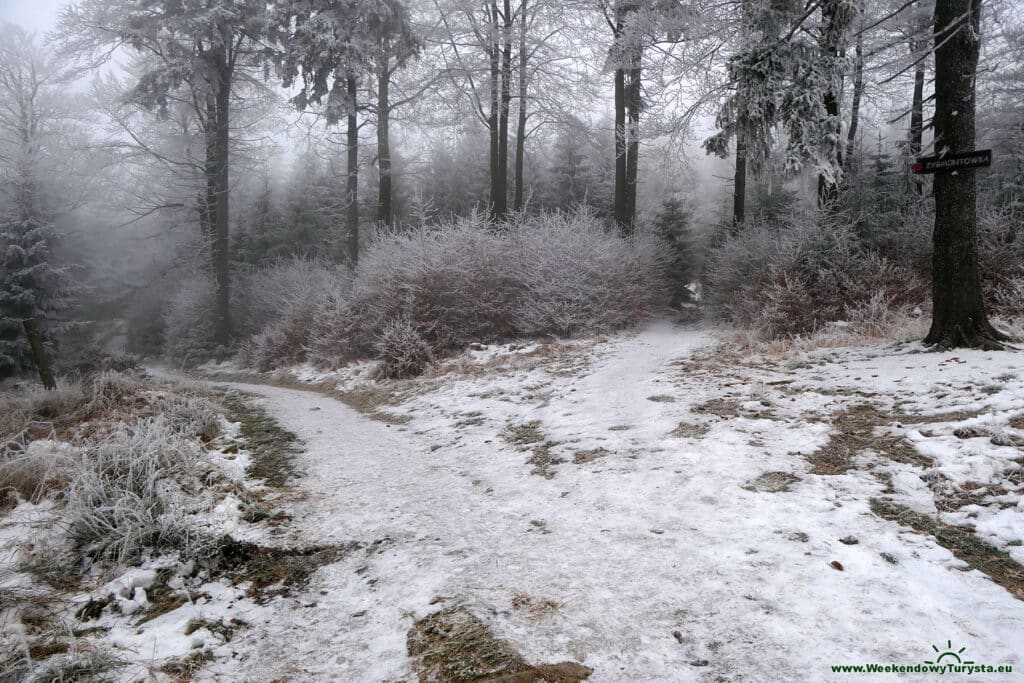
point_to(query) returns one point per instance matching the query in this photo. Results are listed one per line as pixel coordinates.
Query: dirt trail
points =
(653, 562)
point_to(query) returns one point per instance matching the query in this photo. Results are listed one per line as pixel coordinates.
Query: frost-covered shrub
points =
(402, 351)
(455, 283)
(125, 493)
(576, 277)
(272, 293)
(790, 280)
(1001, 253)
(465, 282)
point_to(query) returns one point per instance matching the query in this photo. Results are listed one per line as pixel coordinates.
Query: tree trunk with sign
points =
(959, 318)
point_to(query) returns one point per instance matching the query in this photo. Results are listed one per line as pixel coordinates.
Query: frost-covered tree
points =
(787, 76)
(331, 47)
(34, 289)
(959, 317)
(195, 50)
(635, 25)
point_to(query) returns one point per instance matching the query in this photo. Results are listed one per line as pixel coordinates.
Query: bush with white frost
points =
(448, 286)
(790, 280)
(402, 351)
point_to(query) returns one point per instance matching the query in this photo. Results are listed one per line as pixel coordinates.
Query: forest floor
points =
(653, 508)
(647, 506)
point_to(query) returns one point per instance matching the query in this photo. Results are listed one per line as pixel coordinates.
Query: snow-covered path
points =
(652, 559)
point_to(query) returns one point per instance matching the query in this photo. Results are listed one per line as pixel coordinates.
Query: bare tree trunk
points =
(858, 93)
(958, 316)
(39, 355)
(620, 209)
(352, 184)
(208, 196)
(633, 105)
(222, 188)
(384, 216)
(501, 208)
(917, 121)
(493, 123)
(739, 198)
(521, 124)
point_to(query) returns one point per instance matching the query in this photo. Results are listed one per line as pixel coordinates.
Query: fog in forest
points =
(518, 340)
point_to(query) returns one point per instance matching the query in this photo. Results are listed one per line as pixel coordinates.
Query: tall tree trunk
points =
(620, 208)
(739, 198)
(493, 118)
(208, 196)
(858, 93)
(501, 208)
(222, 188)
(958, 313)
(917, 119)
(633, 106)
(384, 216)
(39, 355)
(352, 184)
(521, 124)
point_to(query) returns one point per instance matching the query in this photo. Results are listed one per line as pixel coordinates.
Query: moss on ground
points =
(274, 449)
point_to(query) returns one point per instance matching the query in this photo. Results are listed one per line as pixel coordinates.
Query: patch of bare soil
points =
(772, 482)
(585, 456)
(454, 646)
(271, 571)
(855, 432)
(992, 562)
(729, 408)
(529, 436)
(689, 430)
(535, 606)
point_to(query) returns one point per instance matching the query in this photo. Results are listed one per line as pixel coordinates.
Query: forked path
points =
(647, 561)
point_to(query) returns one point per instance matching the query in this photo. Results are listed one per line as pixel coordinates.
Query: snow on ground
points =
(641, 525)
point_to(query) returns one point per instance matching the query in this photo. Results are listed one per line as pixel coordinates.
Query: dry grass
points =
(544, 461)
(369, 399)
(529, 436)
(523, 434)
(992, 562)
(184, 669)
(689, 430)
(454, 646)
(772, 482)
(854, 432)
(590, 455)
(950, 497)
(535, 606)
(273, 448)
(270, 571)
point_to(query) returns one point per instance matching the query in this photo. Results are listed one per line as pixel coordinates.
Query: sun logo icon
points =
(948, 653)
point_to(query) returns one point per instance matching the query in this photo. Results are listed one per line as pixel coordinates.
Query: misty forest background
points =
(328, 180)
